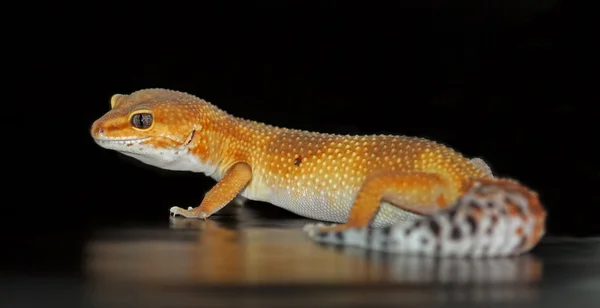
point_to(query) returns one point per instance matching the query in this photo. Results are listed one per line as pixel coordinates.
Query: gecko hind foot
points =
(189, 213)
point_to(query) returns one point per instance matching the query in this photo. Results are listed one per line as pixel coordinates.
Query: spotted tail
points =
(494, 218)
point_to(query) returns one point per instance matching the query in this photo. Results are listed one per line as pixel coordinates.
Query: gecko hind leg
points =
(420, 193)
(494, 218)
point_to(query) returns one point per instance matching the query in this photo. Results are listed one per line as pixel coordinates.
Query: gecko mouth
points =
(124, 141)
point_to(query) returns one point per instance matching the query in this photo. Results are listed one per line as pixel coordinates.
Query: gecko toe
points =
(181, 212)
(307, 227)
(311, 229)
(174, 211)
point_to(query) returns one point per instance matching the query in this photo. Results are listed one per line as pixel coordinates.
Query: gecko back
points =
(494, 218)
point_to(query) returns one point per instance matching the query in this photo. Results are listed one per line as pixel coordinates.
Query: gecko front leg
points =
(235, 179)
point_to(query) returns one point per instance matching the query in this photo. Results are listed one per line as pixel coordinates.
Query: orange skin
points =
(337, 178)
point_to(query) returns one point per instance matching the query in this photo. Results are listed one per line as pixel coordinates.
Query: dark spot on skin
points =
(490, 204)
(339, 235)
(424, 241)
(507, 200)
(494, 220)
(438, 248)
(298, 160)
(415, 225)
(474, 205)
(161, 153)
(503, 212)
(455, 234)
(129, 144)
(472, 223)
(518, 209)
(452, 213)
(385, 231)
(435, 227)
(489, 230)
(386, 239)
(322, 234)
(141, 149)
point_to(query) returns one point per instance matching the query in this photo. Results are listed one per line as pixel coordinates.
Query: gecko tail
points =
(494, 218)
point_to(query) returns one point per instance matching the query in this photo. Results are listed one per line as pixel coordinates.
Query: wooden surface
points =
(242, 258)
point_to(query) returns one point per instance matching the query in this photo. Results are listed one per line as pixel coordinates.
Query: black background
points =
(499, 80)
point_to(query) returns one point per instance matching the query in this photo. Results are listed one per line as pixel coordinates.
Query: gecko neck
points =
(229, 140)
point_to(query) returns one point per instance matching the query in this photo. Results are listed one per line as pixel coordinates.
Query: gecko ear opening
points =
(190, 137)
(114, 99)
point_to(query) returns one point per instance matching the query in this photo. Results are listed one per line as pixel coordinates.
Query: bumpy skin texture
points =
(359, 181)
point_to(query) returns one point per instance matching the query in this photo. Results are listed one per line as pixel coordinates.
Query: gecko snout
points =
(97, 130)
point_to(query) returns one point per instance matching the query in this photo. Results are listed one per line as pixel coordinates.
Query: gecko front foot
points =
(189, 213)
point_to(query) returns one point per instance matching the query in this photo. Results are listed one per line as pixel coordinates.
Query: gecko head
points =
(156, 126)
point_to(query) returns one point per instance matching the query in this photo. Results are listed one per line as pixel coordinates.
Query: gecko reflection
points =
(208, 252)
(426, 270)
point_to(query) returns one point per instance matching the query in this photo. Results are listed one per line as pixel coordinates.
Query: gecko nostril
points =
(98, 130)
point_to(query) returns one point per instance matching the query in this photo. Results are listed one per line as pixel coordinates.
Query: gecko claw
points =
(189, 213)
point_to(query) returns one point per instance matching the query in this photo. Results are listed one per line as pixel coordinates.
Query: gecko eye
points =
(141, 120)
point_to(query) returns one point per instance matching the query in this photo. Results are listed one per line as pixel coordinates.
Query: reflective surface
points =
(239, 258)
(209, 253)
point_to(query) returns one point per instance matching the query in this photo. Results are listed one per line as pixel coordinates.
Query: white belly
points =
(333, 209)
